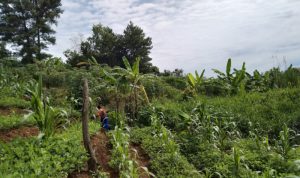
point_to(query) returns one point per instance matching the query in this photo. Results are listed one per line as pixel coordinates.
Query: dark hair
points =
(99, 106)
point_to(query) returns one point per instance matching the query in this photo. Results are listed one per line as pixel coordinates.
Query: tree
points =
(28, 24)
(3, 51)
(102, 45)
(136, 44)
(109, 48)
(74, 57)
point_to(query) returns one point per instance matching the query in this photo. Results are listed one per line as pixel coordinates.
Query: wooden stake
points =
(92, 163)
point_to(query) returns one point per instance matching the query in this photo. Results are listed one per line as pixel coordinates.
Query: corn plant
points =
(237, 162)
(120, 154)
(47, 117)
(283, 146)
(163, 134)
(120, 148)
(269, 173)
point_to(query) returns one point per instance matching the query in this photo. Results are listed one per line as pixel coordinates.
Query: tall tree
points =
(108, 47)
(102, 45)
(27, 24)
(3, 51)
(136, 44)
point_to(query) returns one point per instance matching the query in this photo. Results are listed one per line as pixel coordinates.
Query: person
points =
(103, 117)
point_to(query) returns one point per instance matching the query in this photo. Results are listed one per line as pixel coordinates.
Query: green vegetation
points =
(46, 117)
(7, 102)
(14, 121)
(55, 157)
(237, 124)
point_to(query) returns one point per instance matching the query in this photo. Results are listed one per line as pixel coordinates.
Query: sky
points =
(194, 34)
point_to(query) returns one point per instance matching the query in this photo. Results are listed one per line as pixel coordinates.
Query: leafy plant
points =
(47, 117)
(195, 82)
(284, 141)
(235, 79)
(54, 157)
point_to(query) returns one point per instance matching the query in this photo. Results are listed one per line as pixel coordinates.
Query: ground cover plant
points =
(55, 157)
(13, 121)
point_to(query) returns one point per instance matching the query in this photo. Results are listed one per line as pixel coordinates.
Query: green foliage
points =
(284, 141)
(195, 83)
(37, 33)
(157, 88)
(3, 51)
(47, 117)
(235, 80)
(266, 112)
(109, 48)
(166, 161)
(7, 102)
(176, 82)
(14, 121)
(54, 157)
(120, 158)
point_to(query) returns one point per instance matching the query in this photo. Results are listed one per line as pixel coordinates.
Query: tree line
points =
(27, 26)
(109, 48)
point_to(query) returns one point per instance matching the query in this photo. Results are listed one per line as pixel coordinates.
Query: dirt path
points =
(24, 131)
(141, 157)
(100, 144)
(10, 111)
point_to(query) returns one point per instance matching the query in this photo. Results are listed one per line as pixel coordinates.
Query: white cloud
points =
(195, 34)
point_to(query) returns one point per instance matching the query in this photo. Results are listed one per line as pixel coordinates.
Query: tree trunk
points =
(92, 163)
(37, 24)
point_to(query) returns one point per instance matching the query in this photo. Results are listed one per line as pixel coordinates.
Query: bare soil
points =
(24, 131)
(10, 111)
(141, 157)
(100, 144)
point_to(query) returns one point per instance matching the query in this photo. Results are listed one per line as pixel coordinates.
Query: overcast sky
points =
(195, 34)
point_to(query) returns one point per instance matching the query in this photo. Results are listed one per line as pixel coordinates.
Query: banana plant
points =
(257, 81)
(195, 82)
(134, 77)
(117, 85)
(234, 79)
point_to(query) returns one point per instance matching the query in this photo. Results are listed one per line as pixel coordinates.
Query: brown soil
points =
(100, 144)
(81, 174)
(10, 111)
(9, 135)
(141, 157)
